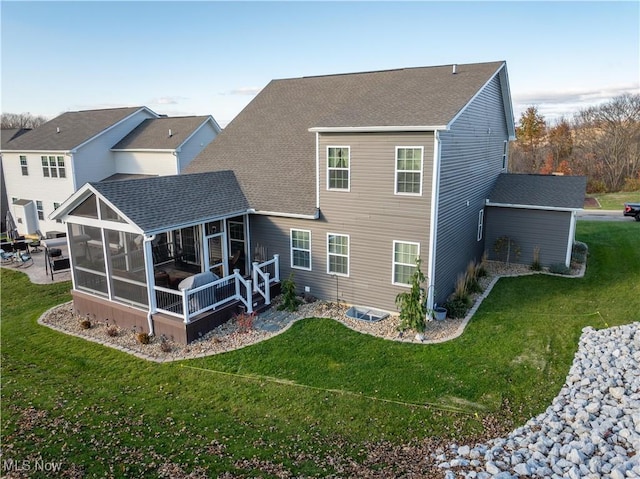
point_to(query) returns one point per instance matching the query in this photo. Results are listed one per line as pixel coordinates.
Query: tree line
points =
(600, 142)
(21, 120)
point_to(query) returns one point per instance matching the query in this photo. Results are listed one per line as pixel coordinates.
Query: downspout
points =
(571, 239)
(175, 153)
(317, 172)
(72, 167)
(433, 226)
(148, 267)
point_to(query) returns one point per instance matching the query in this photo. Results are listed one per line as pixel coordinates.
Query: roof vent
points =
(57, 129)
(170, 134)
(454, 68)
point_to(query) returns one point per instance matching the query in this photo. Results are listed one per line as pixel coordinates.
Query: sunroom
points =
(166, 255)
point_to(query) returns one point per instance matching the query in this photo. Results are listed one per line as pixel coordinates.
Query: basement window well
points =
(366, 314)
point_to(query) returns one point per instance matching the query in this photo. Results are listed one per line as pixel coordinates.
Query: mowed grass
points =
(307, 402)
(616, 201)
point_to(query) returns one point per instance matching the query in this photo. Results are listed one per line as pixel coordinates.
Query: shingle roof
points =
(70, 129)
(153, 134)
(272, 151)
(8, 134)
(540, 190)
(163, 202)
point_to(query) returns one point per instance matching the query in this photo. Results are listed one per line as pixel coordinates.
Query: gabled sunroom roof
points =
(540, 191)
(167, 202)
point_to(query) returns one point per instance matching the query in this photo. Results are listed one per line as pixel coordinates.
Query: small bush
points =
(244, 321)
(112, 331)
(559, 268)
(580, 247)
(165, 347)
(457, 307)
(481, 270)
(596, 186)
(85, 323)
(413, 303)
(473, 285)
(290, 300)
(506, 248)
(631, 184)
(143, 338)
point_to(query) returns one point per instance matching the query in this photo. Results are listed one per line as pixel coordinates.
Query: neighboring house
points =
(537, 213)
(341, 182)
(46, 165)
(6, 135)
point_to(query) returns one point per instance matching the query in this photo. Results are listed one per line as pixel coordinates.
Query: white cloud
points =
(167, 100)
(250, 91)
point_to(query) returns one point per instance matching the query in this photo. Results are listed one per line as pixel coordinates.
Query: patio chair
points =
(36, 243)
(7, 257)
(24, 259)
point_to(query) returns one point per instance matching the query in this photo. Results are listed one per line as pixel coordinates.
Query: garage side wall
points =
(548, 230)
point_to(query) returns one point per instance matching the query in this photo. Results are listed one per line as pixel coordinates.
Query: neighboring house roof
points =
(163, 133)
(8, 134)
(272, 151)
(542, 191)
(165, 202)
(72, 129)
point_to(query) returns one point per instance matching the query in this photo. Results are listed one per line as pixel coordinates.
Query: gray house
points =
(338, 181)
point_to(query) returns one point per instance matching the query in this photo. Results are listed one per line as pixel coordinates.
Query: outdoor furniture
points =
(24, 259)
(36, 243)
(6, 256)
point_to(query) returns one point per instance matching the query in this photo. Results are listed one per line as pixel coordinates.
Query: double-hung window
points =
(338, 254)
(301, 249)
(53, 166)
(405, 255)
(409, 170)
(505, 154)
(40, 209)
(480, 224)
(23, 165)
(338, 161)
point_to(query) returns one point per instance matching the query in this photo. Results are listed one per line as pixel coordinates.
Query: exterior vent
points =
(454, 69)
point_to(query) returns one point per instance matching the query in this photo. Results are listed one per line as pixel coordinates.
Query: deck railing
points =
(264, 275)
(189, 303)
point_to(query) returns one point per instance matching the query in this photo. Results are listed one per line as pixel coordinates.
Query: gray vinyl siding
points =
(471, 160)
(549, 230)
(370, 213)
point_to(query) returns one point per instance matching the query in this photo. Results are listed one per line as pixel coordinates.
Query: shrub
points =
(580, 247)
(457, 307)
(112, 331)
(481, 270)
(413, 303)
(85, 323)
(506, 248)
(596, 186)
(244, 321)
(559, 268)
(473, 285)
(143, 338)
(631, 184)
(165, 347)
(535, 264)
(290, 300)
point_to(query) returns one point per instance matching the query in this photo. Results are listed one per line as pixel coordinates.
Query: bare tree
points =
(607, 141)
(21, 120)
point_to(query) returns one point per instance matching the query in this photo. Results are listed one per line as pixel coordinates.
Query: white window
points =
(338, 254)
(409, 170)
(40, 209)
(505, 154)
(338, 161)
(53, 166)
(301, 249)
(23, 165)
(405, 255)
(480, 224)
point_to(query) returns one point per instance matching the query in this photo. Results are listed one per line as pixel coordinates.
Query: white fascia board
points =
(198, 222)
(43, 152)
(531, 207)
(147, 150)
(72, 201)
(75, 149)
(375, 129)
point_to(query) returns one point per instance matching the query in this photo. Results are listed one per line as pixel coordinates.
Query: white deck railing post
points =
(254, 275)
(185, 306)
(249, 298)
(276, 266)
(236, 274)
(267, 289)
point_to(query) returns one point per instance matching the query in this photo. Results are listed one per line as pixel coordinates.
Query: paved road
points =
(603, 215)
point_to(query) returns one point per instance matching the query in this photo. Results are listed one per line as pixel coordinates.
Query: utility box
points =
(26, 216)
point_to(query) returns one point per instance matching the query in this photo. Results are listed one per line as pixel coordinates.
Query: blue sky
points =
(207, 57)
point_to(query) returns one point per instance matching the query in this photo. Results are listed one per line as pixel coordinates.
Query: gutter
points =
(370, 129)
(315, 216)
(531, 207)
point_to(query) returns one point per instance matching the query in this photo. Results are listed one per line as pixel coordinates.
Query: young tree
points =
(531, 133)
(560, 140)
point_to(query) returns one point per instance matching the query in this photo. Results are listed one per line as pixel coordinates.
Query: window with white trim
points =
(480, 224)
(40, 209)
(301, 249)
(505, 154)
(338, 254)
(338, 167)
(405, 256)
(23, 165)
(409, 170)
(53, 166)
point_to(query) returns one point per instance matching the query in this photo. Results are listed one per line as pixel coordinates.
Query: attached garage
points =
(525, 213)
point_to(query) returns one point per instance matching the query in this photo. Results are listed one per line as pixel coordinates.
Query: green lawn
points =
(615, 201)
(319, 399)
